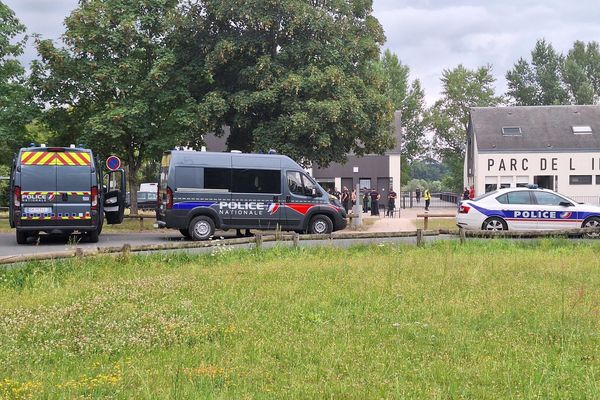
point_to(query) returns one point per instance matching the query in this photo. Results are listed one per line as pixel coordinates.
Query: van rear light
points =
(17, 197)
(94, 197)
(463, 209)
(169, 198)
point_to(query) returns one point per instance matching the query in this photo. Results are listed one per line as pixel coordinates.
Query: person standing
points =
(391, 202)
(366, 200)
(345, 198)
(418, 195)
(353, 198)
(374, 202)
(472, 192)
(427, 198)
(466, 194)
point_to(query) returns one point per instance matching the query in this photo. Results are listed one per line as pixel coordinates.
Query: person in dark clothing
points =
(466, 194)
(345, 198)
(374, 202)
(418, 195)
(391, 202)
(337, 193)
(365, 200)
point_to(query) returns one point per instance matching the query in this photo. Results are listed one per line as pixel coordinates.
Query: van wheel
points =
(185, 233)
(93, 236)
(201, 228)
(320, 224)
(22, 237)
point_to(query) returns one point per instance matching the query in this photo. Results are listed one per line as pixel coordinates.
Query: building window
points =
(582, 130)
(580, 179)
(522, 181)
(491, 183)
(597, 179)
(511, 131)
(364, 183)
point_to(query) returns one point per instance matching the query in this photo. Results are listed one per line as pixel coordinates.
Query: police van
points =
(199, 192)
(59, 190)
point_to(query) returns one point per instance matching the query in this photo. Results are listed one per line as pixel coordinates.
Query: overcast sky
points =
(427, 35)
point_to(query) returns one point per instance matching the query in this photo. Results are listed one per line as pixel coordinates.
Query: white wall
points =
(507, 167)
(395, 172)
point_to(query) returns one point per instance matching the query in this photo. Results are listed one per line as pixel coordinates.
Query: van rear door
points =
(38, 185)
(73, 185)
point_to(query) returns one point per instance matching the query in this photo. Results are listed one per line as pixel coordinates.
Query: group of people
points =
(370, 200)
(426, 197)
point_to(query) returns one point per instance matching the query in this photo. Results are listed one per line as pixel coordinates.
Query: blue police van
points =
(199, 192)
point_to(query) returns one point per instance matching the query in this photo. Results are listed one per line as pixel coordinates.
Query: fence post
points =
(296, 239)
(258, 240)
(461, 233)
(141, 223)
(425, 222)
(419, 237)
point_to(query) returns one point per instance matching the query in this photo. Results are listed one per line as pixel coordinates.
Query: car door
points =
(255, 198)
(38, 185)
(556, 212)
(114, 196)
(519, 210)
(73, 186)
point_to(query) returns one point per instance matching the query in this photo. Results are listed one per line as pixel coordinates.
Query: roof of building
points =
(536, 128)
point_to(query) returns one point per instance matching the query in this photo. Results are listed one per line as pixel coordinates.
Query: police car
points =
(527, 208)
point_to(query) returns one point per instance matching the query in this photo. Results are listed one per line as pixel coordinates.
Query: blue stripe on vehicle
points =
(188, 205)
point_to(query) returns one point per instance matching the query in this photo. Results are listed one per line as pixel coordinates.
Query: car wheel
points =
(185, 233)
(320, 225)
(494, 224)
(593, 222)
(201, 228)
(22, 237)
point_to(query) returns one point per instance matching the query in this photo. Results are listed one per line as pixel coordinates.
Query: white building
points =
(556, 147)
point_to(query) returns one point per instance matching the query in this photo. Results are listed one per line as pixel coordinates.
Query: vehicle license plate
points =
(38, 210)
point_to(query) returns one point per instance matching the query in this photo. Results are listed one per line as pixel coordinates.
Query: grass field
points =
(487, 320)
(438, 223)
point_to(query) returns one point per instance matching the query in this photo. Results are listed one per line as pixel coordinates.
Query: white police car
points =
(527, 208)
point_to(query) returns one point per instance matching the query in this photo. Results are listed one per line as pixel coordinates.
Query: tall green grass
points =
(486, 320)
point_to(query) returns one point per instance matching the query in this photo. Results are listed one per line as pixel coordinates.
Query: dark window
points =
(188, 177)
(502, 199)
(217, 179)
(597, 179)
(522, 184)
(521, 197)
(73, 179)
(309, 185)
(548, 199)
(511, 131)
(256, 181)
(504, 185)
(580, 179)
(490, 187)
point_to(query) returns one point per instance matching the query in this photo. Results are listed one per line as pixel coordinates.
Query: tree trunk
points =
(133, 187)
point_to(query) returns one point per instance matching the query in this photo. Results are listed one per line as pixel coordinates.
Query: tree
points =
(298, 76)
(119, 85)
(539, 82)
(449, 117)
(17, 108)
(581, 73)
(409, 98)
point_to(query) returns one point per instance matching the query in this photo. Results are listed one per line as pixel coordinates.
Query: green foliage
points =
(119, 84)
(486, 320)
(449, 116)
(538, 82)
(17, 107)
(581, 73)
(428, 169)
(296, 76)
(409, 98)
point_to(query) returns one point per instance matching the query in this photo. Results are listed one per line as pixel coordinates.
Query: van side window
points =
(295, 183)
(217, 178)
(188, 177)
(256, 181)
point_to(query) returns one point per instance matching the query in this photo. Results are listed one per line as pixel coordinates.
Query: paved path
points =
(406, 222)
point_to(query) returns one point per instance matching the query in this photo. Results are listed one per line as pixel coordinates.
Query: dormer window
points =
(511, 131)
(582, 130)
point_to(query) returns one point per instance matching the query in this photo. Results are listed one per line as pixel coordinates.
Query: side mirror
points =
(565, 204)
(314, 192)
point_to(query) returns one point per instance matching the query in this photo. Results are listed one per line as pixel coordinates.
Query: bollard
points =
(461, 234)
(425, 222)
(296, 239)
(419, 237)
(141, 224)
